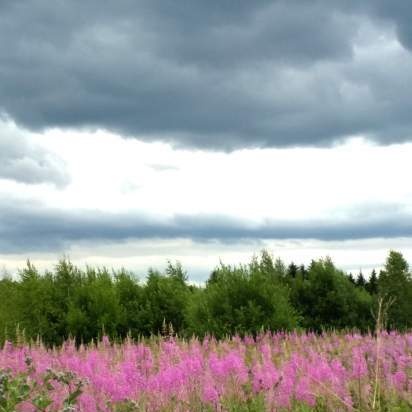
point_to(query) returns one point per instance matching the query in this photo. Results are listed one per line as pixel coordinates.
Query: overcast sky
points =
(141, 131)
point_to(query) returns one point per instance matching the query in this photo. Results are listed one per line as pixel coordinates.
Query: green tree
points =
(66, 279)
(165, 298)
(243, 299)
(372, 284)
(176, 272)
(36, 306)
(9, 314)
(360, 280)
(327, 299)
(395, 282)
(292, 270)
(93, 307)
(351, 279)
(131, 301)
(302, 271)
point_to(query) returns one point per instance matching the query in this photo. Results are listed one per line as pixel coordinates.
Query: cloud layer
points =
(24, 162)
(85, 90)
(38, 228)
(215, 75)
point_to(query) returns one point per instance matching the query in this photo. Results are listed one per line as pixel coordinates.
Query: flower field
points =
(273, 372)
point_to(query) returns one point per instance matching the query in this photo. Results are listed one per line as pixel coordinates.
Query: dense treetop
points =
(243, 299)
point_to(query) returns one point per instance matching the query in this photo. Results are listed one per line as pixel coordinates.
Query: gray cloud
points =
(400, 13)
(216, 74)
(27, 163)
(33, 227)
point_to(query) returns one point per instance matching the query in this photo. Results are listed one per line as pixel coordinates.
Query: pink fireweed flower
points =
(210, 393)
(359, 365)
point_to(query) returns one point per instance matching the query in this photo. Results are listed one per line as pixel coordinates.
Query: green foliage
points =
(372, 284)
(244, 300)
(131, 318)
(395, 282)
(19, 388)
(8, 299)
(39, 306)
(93, 306)
(13, 391)
(254, 403)
(165, 299)
(265, 294)
(327, 299)
(351, 279)
(360, 281)
(292, 271)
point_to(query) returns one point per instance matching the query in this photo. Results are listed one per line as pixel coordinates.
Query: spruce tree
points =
(360, 280)
(372, 284)
(292, 270)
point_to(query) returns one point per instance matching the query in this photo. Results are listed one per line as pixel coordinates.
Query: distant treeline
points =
(246, 299)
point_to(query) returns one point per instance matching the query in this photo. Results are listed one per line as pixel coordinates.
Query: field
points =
(272, 372)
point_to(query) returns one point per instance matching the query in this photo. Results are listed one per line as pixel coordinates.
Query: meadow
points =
(256, 337)
(269, 372)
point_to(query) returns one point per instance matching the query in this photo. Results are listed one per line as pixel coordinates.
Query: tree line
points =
(264, 294)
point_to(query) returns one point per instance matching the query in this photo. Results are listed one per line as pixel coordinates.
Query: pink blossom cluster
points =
(340, 372)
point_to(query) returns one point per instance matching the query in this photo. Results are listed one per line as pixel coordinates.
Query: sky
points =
(137, 132)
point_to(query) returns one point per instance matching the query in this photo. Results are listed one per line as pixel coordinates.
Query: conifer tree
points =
(372, 284)
(360, 280)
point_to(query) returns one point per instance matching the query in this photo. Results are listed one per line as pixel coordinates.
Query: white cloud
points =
(251, 184)
(113, 174)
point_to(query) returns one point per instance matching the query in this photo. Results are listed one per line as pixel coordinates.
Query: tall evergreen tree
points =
(303, 271)
(360, 280)
(372, 284)
(351, 278)
(292, 270)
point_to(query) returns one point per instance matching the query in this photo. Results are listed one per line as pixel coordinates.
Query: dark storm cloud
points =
(26, 163)
(216, 74)
(32, 227)
(400, 13)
